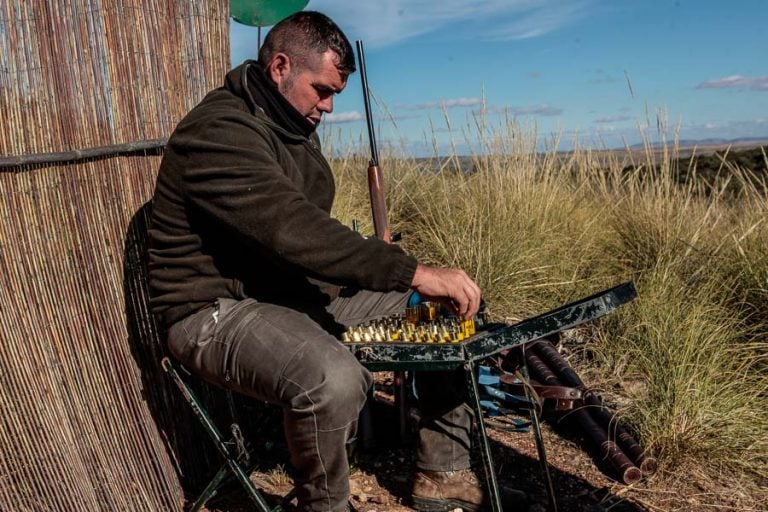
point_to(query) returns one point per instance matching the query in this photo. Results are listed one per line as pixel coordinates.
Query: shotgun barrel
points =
(547, 364)
(550, 356)
(616, 430)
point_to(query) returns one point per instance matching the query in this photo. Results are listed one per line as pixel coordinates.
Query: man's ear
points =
(279, 68)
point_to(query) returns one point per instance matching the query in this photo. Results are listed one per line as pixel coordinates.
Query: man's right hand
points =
(451, 286)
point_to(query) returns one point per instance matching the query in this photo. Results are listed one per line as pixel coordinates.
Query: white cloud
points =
(544, 109)
(756, 83)
(537, 19)
(450, 103)
(386, 22)
(612, 119)
(343, 117)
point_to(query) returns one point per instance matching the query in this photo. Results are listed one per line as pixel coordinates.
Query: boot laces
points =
(466, 474)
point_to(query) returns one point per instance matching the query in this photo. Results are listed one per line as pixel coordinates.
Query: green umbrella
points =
(263, 13)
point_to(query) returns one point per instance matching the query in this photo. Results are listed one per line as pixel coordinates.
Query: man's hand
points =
(451, 286)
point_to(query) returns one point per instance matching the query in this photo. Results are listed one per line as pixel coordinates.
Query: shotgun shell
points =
(412, 316)
(429, 311)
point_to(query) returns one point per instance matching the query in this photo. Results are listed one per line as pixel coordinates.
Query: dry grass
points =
(538, 229)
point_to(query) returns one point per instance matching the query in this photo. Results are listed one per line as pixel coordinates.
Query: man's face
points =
(310, 88)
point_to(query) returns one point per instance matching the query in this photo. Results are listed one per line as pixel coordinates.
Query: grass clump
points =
(702, 391)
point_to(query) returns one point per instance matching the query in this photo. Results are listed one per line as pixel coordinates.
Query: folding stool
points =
(233, 459)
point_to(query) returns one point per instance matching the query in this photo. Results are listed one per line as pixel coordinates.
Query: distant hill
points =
(747, 153)
(712, 143)
(714, 166)
(710, 165)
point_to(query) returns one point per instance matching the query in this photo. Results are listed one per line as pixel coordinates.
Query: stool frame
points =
(232, 461)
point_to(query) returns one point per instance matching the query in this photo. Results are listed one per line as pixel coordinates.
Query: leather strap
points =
(564, 396)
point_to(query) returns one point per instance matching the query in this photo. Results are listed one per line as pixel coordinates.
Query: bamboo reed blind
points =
(76, 431)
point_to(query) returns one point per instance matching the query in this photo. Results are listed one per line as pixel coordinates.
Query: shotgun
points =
(375, 180)
(381, 226)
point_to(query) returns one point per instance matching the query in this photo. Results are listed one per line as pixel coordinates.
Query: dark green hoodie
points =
(241, 209)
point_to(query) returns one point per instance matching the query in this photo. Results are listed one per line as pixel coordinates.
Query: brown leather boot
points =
(441, 491)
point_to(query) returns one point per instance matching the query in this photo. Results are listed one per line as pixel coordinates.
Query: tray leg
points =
(490, 474)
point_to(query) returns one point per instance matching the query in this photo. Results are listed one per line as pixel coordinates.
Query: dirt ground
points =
(382, 472)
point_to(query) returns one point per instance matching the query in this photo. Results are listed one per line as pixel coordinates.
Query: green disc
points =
(263, 13)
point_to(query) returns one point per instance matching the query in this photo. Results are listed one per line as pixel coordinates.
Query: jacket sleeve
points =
(232, 175)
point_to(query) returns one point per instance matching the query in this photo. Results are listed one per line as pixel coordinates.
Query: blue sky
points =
(597, 70)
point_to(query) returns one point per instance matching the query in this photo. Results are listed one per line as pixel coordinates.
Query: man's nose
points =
(326, 105)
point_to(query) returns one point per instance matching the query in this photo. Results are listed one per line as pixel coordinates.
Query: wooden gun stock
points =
(378, 203)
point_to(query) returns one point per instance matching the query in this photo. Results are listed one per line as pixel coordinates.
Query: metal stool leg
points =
(231, 464)
(210, 489)
(490, 473)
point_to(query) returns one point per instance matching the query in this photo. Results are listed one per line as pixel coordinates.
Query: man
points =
(254, 281)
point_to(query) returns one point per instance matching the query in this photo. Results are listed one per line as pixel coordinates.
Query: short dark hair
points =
(305, 32)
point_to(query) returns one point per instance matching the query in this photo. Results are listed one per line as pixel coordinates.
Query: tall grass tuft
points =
(538, 229)
(691, 369)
